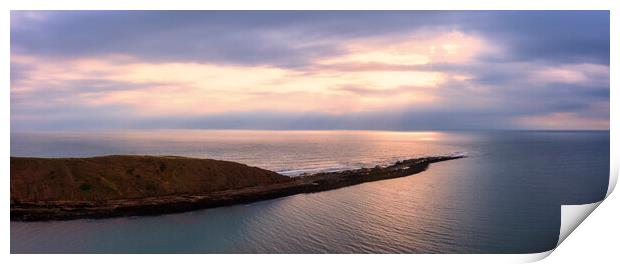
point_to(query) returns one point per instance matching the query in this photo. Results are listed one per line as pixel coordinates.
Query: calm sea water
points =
(504, 198)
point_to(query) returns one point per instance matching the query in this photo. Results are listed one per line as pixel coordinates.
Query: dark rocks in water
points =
(181, 184)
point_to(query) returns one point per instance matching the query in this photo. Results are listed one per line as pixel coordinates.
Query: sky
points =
(379, 70)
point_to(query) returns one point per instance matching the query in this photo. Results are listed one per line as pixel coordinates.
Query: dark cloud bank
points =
(295, 40)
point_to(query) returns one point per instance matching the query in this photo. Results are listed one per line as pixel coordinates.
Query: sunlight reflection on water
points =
(503, 198)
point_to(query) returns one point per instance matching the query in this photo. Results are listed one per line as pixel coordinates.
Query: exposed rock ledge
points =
(70, 188)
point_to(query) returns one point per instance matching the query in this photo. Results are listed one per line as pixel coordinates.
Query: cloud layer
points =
(310, 70)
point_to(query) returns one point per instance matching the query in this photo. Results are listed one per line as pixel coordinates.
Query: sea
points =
(504, 197)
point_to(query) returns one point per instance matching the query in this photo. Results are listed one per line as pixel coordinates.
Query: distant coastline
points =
(112, 186)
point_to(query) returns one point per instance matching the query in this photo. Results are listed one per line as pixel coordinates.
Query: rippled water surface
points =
(503, 198)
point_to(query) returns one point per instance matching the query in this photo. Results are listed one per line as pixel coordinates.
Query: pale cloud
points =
(593, 74)
(202, 88)
(562, 121)
(196, 89)
(417, 49)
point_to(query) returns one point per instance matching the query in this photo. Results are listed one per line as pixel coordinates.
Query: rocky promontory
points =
(97, 187)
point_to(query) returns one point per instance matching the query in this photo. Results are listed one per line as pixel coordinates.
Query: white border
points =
(318, 5)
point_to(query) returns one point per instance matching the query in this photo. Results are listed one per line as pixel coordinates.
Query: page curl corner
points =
(572, 216)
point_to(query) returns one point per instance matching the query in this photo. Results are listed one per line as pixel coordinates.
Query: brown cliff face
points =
(128, 177)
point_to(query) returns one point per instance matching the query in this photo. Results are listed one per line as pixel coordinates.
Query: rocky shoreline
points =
(66, 209)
